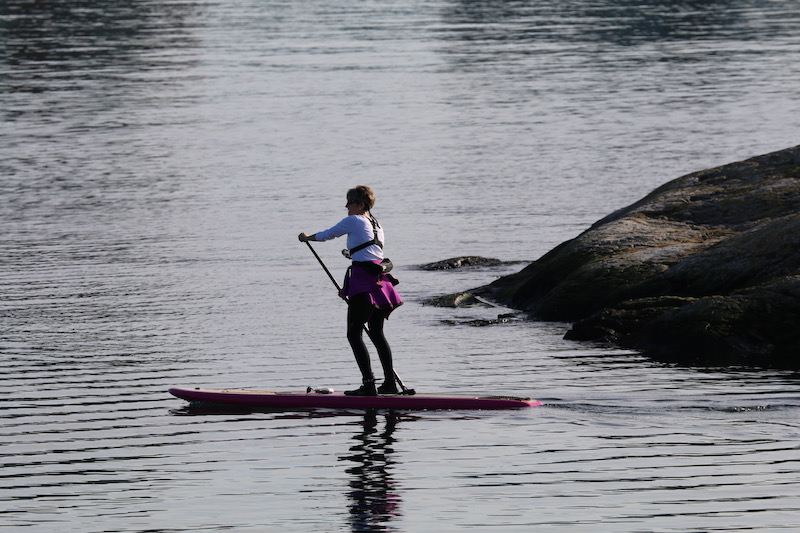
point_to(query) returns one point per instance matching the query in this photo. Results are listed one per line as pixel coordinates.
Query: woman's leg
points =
(376, 321)
(358, 313)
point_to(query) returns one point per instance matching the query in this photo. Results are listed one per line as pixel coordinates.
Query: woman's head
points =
(361, 194)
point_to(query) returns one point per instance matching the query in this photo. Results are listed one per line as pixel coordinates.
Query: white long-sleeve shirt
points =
(358, 229)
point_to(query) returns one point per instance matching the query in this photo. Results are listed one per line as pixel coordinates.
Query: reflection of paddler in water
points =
(374, 502)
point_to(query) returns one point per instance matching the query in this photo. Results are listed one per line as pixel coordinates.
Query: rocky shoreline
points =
(703, 270)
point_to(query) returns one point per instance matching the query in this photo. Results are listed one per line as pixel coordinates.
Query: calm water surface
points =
(157, 160)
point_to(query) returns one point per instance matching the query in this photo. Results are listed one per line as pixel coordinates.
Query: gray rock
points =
(458, 299)
(705, 268)
(461, 262)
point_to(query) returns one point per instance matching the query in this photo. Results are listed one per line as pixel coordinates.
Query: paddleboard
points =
(338, 400)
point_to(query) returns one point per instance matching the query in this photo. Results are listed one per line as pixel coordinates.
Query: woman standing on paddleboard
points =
(368, 287)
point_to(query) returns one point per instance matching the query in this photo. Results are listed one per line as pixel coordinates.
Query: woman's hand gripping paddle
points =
(405, 390)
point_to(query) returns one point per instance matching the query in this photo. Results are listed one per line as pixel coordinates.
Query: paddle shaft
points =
(338, 288)
(328, 272)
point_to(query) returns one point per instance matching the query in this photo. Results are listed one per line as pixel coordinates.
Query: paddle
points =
(405, 390)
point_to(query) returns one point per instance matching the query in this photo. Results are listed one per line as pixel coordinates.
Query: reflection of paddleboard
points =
(337, 400)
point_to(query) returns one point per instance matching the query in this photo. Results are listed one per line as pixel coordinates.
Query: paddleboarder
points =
(368, 287)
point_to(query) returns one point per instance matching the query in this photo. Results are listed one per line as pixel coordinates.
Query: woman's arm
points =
(344, 227)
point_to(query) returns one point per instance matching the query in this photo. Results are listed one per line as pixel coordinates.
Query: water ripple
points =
(159, 160)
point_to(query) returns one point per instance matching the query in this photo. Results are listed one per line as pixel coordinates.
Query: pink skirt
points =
(379, 287)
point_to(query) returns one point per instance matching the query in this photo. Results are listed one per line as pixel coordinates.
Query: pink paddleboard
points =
(337, 400)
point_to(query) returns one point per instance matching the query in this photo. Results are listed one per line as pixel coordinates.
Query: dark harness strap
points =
(374, 240)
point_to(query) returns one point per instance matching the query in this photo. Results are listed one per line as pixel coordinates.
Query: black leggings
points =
(359, 313)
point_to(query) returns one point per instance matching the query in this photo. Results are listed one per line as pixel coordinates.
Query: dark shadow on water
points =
(374, 498)
(209, 408)
(373, 492)
(616, 22)
(81, 37)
